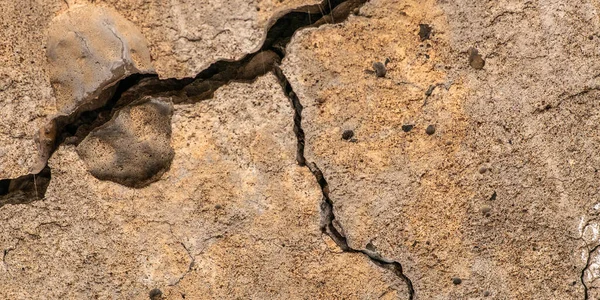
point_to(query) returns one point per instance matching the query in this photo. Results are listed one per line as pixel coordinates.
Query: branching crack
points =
(190, 267)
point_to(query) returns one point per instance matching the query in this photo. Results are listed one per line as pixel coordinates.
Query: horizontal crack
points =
(73, 128)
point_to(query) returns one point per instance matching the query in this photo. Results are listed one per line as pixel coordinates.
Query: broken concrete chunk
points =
(134, 147)
(89, 49)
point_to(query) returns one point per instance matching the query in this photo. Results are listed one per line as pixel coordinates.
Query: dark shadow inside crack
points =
(25, 189)
(75, 127)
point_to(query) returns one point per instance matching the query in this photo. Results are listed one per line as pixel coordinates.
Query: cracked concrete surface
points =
(348, 182)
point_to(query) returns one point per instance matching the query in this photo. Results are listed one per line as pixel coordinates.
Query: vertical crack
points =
(587, 265)
(329, 225)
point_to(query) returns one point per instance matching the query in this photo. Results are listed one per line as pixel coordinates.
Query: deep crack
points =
(587, 265)
(75, 127)
(327, 208)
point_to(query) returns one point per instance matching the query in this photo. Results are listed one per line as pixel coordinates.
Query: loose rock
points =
(430, 129)
(456, 280)
(380, 69)
(348, 134)
(134, 147)
(407, 127)
(155, 294)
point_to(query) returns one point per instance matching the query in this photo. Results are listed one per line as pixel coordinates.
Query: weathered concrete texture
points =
(234, 217)
(186, 36)
(25, 92)
(496, 195)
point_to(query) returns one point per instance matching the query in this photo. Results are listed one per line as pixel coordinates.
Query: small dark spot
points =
(493, 197)
(380, 69)
(482, 170)
(486, 293)
(430, 90)
(475, 59)
(574, 282)
(456, 280)
(424, 31)
(218, 206)
(591, 37)
(430, 129)
(407, 127)
(155, 294)
(347, 134)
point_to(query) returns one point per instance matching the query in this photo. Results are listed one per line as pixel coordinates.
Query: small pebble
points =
(430, 90)
(218, 206)
(424, 31)
(493, 197)
(430, 129)
(456, 280)
(347, 134)
(380, 69)
(155, 294)
(407, 127)
(482, 170)
(475, 59)
(486, 293)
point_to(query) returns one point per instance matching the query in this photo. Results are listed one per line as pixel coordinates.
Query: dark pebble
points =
(486, 293)
(493, 197)
(456, 280)
(475, 59)
(380, 69)
(155, 294)
(407, 127)
(482, 170)
(430, 129)
(424, 31)
(348, 134)
(430, 90)
(218, 206)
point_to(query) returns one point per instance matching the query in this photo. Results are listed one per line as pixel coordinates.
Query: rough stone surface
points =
(503, 195)
(531, 114)
(89, 50)
(186, 36)
(234, 217)
(25, 92)
(134, 147)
